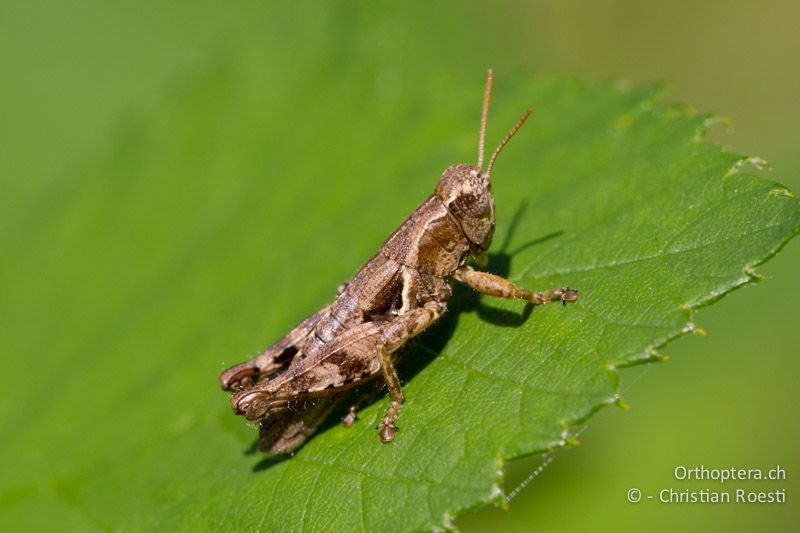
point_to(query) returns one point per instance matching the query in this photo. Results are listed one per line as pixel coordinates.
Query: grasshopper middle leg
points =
(396, 333)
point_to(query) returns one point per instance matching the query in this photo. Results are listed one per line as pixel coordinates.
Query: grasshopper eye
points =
(472, 204)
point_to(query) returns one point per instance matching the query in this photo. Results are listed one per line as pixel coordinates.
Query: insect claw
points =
(569, 295)
(350, 418)
(387, 433)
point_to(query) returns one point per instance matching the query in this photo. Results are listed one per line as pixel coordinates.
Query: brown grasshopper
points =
(292, 386)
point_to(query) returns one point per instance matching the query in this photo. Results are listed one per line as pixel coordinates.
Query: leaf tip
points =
(448, 523)
(754, 276)
(621, 403)
(691, 327)
(781, 191)
(758, 163)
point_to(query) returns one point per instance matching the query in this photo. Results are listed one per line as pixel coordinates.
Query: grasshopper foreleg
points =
(502, 288)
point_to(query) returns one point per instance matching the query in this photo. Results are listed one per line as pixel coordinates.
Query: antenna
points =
(487, 92)
(504, 142)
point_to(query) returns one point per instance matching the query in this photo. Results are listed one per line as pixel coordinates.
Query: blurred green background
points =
(74, 74)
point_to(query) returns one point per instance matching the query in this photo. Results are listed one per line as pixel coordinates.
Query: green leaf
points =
(233, 209)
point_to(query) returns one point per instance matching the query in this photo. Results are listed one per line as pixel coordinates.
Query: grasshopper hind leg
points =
(300, 391)
(283, 431)
(274, 359)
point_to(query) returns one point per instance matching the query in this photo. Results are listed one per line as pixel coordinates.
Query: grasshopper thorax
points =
(466, 192)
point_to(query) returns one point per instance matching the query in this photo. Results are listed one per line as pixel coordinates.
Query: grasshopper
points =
(292, 386)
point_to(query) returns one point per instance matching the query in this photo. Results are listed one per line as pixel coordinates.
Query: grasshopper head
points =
(466, 190)
(467, 193)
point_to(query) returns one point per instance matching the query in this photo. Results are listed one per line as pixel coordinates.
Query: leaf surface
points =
(226, 214)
